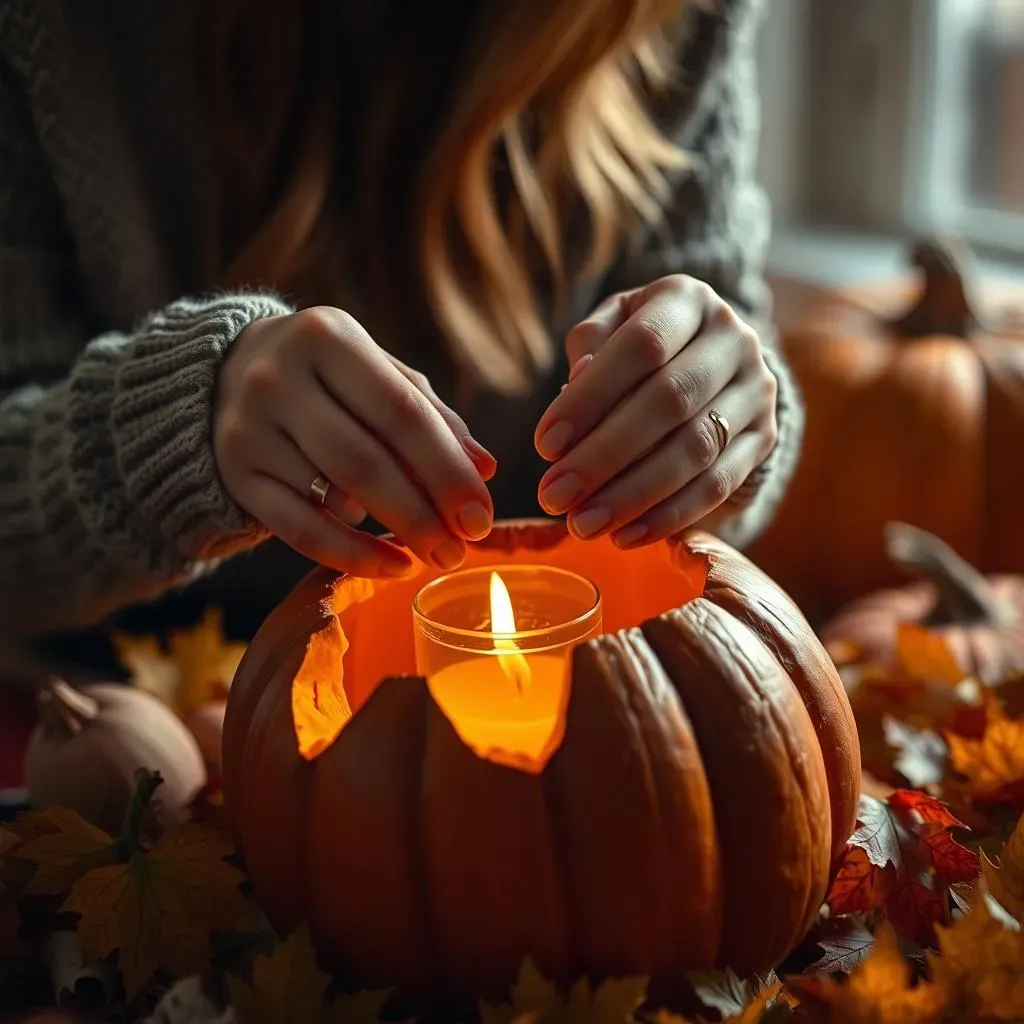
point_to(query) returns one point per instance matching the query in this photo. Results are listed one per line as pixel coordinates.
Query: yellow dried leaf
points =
(206, 660)
(158, 908)
(287, 987)
(61, 846)
(196, 669)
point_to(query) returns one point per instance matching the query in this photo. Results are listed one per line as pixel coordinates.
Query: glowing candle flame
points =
(503, 624)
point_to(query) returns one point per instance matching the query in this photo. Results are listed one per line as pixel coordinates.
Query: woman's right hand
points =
(312, 394)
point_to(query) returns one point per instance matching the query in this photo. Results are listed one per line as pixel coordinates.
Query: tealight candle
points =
(494, 645)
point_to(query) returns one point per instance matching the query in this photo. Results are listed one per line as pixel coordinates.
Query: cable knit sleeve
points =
(108, 489)
(719, 222)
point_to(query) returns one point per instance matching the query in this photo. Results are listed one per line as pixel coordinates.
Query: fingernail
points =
(631, 534)
(558, 495)
(395, 568)
(554, 440)
(474, 519)
(579, 366)
(448, 555)
(586, 524)
(475, 450)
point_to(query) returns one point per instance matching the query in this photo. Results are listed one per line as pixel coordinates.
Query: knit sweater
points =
(109, 492)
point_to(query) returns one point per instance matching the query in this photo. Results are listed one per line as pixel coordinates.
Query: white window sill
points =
(833, 257)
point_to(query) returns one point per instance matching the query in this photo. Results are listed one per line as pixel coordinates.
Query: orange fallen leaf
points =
(879, 991)
(1005, 879)
(925, 655)
(993, 764)
(981, 967)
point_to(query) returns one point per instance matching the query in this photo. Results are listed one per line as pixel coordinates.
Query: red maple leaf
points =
(902, 860)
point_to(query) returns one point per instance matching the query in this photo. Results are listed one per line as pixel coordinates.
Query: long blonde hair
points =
(482, 131)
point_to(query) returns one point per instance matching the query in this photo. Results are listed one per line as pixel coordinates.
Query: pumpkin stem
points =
(945, 305)
(64, 711)
(146, 784)
(964, 596)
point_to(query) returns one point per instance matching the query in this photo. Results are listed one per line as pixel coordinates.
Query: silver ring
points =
(318, 489)
(721, 429)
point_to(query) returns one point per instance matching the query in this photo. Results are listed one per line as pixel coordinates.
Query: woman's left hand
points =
(669, 408)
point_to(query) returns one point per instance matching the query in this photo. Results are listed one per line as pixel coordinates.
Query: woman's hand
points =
(639, 453)
(311, 395)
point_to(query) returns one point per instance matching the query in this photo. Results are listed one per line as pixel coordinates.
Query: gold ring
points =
(721, 429)
(318, 490)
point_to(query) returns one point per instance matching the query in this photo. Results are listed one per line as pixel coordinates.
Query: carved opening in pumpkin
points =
(368, 633)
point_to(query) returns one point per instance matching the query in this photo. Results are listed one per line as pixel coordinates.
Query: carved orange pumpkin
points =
(707, 773)
(915, 412)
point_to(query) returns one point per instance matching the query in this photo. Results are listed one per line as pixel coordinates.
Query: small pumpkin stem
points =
(64, 711)
(964, 595)
(945, 306)
(146, 784)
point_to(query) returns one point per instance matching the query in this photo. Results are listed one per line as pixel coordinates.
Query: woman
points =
(237, 239)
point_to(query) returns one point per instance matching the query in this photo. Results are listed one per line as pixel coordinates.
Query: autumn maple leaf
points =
(196, 668)
(879, 991)
(155, 907)
(993, 764)
(903, 859)
(980, 966)
(536, 1000)
(287, 987)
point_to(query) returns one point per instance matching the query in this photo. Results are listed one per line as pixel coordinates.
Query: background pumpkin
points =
(89, 743)
(981, 619)
(708, 773)
(915, 416)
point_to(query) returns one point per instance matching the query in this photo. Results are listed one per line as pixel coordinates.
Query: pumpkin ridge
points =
(693, 642)
(630, 680)
(652, 674)
(772, 715)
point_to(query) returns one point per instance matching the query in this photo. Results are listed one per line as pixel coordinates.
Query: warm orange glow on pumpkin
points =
(706, 713)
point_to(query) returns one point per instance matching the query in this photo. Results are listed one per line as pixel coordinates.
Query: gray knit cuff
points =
(765, 488)
(161, 424)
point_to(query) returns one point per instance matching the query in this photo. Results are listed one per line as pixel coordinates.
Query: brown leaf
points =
(981, 967)
(62, 847)
(1005, 880)
(536, 1000)
(287, 987)
(903, 859)
(879, 991)
(158, 908)
(844, 950)
(924, 654)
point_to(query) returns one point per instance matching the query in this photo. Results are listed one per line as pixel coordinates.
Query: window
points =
(911, 117)
(966, 173)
